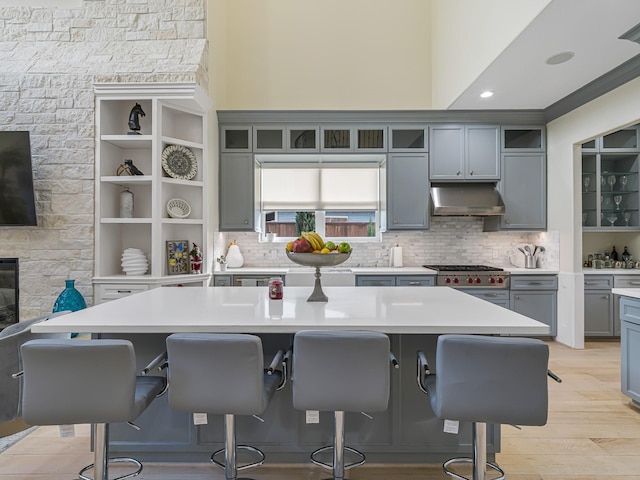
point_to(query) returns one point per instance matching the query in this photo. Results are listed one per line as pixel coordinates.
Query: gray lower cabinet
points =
(497, 297)
(237, 192)
(395, 281)
(598, 306)
(222, 280)
(523, 187)
(536, 296)
(407, 191)
(622, 281)
(630, 348)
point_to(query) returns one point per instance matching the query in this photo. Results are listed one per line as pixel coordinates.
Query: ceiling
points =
(520, 77)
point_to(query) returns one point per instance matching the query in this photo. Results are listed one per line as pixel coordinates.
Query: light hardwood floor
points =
(593, 433)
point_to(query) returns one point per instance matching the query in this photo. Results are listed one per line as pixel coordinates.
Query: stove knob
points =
(493, 280)
(500, 280)
(478, 280)
(470, 280)
(447, 280)
(455, 280)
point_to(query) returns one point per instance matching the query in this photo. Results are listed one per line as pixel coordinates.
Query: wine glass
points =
(611, 180)
(617, 199)
(601, 216)
(627, 217)
(611, 218)
(623, 182)
(606, 203)
(587, 182)
(585, 216)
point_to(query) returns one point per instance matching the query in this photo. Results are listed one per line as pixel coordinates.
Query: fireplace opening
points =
(9, 306)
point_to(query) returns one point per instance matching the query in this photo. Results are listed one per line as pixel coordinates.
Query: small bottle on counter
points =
(614, 254)
(626, 256)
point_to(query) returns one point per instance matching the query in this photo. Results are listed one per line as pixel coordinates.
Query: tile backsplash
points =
(451, 240)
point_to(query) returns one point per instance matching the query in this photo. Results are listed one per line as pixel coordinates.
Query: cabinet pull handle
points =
(377, 284)
(535, 283)
(458, 172)
(591, 283)
(517, 297)
(606, 297)
(490, 295)
(124, 291)
(634, 283)
(415, 283)
(471, 172)
(395, 221)
(245, 221)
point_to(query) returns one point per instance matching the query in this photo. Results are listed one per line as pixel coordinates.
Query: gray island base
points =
(413, 318)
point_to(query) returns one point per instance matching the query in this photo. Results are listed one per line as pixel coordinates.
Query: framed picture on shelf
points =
(177, 257)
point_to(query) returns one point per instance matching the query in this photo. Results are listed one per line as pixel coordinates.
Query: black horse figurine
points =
(134, 119)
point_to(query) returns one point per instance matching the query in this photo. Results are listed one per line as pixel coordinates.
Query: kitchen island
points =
(407, 432)
(630, 342)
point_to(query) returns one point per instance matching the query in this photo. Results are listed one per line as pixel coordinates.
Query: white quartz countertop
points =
(378, 271)
(627, 292)
(402, 310)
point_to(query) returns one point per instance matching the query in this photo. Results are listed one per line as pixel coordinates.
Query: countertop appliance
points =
(470, 276)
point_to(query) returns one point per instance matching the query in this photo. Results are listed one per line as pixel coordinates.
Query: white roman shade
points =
(320, 186)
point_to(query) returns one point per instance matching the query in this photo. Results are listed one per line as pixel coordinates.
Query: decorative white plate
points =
(179, 162)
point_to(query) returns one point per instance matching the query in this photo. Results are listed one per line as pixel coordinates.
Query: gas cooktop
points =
(463, 268)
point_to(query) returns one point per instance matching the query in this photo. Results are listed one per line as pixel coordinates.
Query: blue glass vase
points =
(69, 299)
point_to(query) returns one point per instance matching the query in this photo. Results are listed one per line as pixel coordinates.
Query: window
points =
(337, 196)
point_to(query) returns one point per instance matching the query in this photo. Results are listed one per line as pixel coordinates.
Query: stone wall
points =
(49, 60)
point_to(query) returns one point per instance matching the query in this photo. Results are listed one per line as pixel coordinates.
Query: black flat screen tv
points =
(17, 202)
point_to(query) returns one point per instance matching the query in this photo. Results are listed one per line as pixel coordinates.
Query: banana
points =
(312, 240)
(319, 239)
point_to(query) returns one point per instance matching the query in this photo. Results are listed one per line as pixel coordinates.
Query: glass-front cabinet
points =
(610, 182)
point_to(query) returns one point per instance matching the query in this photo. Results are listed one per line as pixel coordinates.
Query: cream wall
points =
(334, 54)
(612, 111)
(468, 35)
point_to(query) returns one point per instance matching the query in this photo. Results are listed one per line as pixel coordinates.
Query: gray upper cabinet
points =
(523, 139)
(407, 191)
(464, 152)
(337, 138)
(237, 184)
(303, 138)
(408, 138)
(236, 139)
(524, 190)
(371, 139)
(269, 139)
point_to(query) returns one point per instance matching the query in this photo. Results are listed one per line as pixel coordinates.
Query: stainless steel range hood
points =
(470, 199)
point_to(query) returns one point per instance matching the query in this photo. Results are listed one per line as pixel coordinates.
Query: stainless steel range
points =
(470, 276)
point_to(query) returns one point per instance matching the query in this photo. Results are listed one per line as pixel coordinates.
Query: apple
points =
(301, 245)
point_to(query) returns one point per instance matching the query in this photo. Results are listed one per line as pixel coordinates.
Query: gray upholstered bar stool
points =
(486, 380)
(86, 381)
(340, 371)
(223, 374)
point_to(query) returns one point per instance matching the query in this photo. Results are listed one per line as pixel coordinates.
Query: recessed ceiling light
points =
(559, 58)
(486, 94)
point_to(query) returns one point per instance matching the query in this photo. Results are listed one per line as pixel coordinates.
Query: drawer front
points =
(113, 292)
(415, 281)
(534, 282)
(598, 282)
(626, 281)
(222, 280)
(630, 310)
(375, 281)
(498, 297)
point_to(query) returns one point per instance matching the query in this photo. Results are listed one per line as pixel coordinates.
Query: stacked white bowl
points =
(134, 261)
